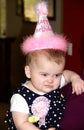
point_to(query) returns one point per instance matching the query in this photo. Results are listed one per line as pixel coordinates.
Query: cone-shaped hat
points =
(43, 37)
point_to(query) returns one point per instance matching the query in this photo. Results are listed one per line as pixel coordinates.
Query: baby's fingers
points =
(78, 90)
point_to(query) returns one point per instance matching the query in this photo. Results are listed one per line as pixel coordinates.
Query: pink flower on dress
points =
(40, 108)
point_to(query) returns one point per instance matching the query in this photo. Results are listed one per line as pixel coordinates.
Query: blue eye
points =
(58, 74)
(44, 74)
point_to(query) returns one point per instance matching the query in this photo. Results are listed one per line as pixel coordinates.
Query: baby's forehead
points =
(48, 56)
(44, 59)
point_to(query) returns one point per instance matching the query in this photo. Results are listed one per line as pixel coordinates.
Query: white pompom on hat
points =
(44, 37)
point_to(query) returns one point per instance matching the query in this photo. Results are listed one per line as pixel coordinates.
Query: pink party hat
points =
(44, 37)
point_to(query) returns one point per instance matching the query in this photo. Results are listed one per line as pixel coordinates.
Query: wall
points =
(13, 21)
(73, 28)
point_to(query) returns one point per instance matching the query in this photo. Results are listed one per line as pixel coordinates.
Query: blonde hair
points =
(55, 55)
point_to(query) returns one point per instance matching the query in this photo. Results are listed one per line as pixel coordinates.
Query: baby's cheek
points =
(57, 83)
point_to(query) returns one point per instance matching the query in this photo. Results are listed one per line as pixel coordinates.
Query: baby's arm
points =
(18, 106)
(75, 79)
(21, 121)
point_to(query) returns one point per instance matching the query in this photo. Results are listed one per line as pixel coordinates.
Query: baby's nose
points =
(50, 79)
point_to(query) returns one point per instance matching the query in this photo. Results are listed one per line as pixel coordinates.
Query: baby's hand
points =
(77, 85)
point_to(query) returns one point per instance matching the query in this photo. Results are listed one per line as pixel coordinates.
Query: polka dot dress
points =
(52, 107)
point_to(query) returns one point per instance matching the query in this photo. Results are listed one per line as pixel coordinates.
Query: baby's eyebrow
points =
(43, 73)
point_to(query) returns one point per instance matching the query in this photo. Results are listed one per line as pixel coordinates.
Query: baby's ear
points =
(27, 71)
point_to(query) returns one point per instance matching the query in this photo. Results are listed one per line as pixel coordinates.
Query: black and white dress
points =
(44, 110)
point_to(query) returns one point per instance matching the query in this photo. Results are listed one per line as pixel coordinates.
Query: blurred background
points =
(67, 18)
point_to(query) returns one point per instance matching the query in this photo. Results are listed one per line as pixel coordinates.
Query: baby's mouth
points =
(49, 86)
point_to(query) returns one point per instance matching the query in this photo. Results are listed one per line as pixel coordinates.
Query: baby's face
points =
(45, 74)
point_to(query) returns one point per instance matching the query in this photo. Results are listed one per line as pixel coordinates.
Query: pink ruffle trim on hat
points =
(57, 42)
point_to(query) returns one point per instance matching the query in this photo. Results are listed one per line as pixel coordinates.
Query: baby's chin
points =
(48, 90)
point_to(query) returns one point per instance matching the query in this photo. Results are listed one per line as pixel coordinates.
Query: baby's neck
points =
(30, 86)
